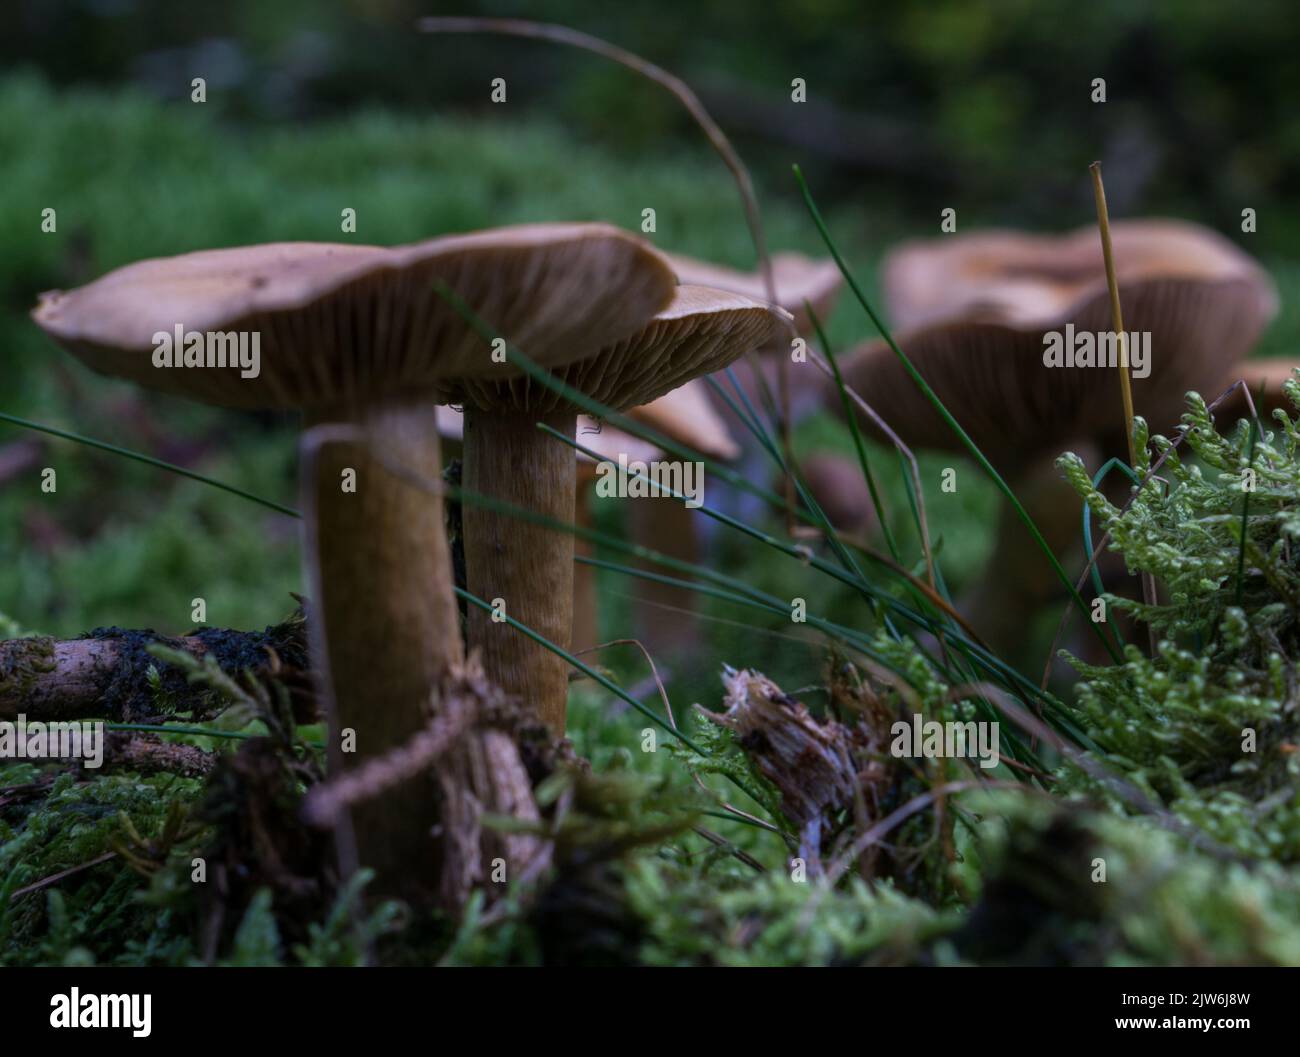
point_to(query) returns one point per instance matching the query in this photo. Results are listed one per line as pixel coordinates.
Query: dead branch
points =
(149, 754)
(105, 674)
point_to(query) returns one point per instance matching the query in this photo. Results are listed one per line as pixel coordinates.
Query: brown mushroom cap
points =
(686, 415)
(837, 483)
(796, 278)
(342, 323)
(1022, 280)
(1203, 315)
(701, 331)
(609, 444)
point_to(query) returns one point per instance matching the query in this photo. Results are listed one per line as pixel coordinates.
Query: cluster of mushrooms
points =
(385, 367)
(367, 342)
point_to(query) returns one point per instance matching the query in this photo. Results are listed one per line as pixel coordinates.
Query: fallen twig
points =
(105, 675)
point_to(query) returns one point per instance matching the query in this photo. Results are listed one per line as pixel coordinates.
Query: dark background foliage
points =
(984, 106)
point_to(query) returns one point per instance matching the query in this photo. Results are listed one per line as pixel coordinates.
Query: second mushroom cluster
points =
(972, 313)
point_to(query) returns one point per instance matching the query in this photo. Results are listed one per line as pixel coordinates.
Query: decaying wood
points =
(142, 753)
(103, 676)
(468, 748)
(149, 754)
(810, 762)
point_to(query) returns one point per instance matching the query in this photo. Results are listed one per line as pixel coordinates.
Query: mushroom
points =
(357, 335)
(795, 278)
(525, 567)
(684, 416)
(664, 614)
(1020, 279)
(610, 445)
(974, 312)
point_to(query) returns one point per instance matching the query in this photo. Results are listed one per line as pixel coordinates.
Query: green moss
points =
(1208, 726)
(100, 913)
(23, 660)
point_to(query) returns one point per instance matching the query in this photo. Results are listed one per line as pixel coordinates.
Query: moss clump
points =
(21, 665)
(1210, 725)
(98, 915)
(773, 920)
(1068, 884)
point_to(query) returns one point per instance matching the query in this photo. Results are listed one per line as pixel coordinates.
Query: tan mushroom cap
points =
(1021, 279)
(972, 312)
(797, 279)
(687, 416)
(701, 331)
(992, 378)
(340, 323)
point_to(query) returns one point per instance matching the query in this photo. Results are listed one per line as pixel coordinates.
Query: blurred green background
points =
(316, 107)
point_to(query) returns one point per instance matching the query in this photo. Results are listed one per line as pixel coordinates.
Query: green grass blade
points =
(1123, 467)
(148, 460)
(952, 423)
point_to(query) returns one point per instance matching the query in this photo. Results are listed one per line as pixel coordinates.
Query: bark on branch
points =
(104, 675)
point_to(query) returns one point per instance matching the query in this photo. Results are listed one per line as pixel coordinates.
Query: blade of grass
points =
(951, 422)
(1245, 510)
(1116, 314)
(1125, 385)
(1110, 464)
(203, 732)
(148, 460)
(859, 443)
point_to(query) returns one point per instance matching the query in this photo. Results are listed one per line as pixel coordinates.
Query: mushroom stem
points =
(664, 614)
(1017, 581)
(586, 610)
(526, 565)
(390, 621)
